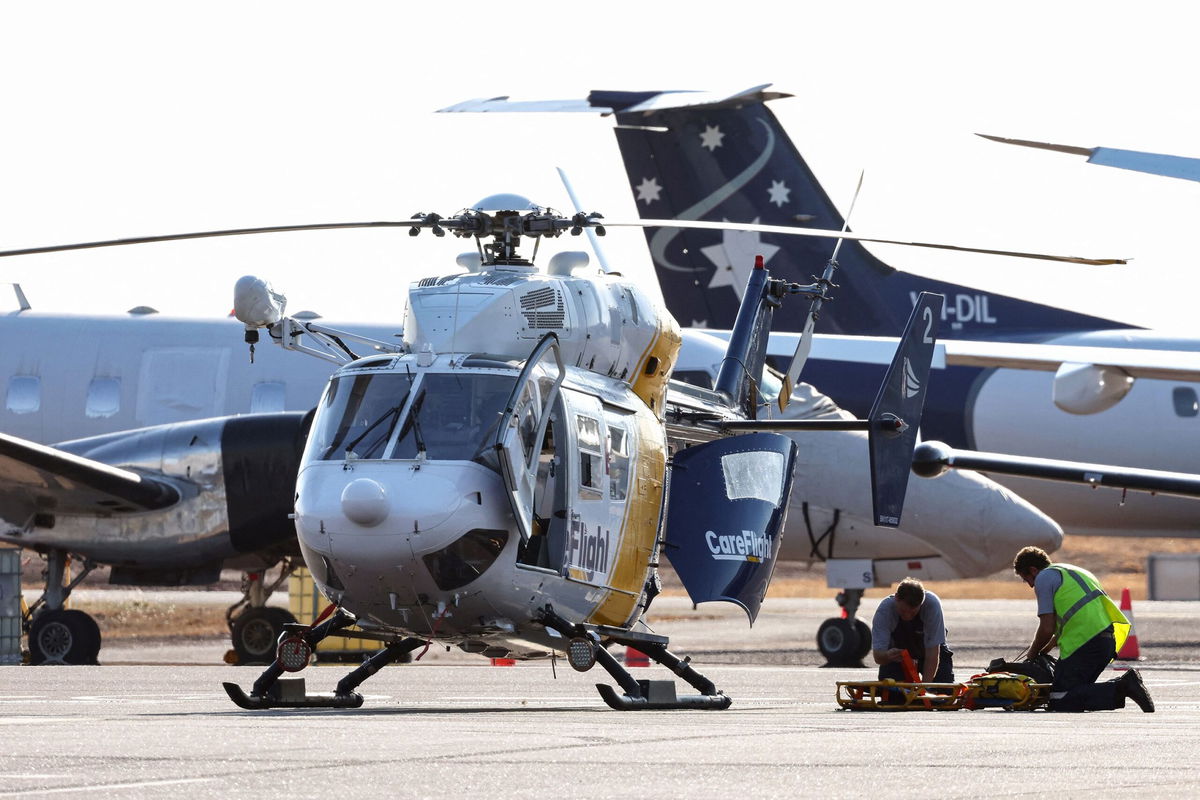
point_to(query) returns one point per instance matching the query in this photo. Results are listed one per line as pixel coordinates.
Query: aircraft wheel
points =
(64, 636)
(864, 638)
(256, 632)
(838, 641)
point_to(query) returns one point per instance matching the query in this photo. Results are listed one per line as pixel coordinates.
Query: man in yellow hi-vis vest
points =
(1075, 612)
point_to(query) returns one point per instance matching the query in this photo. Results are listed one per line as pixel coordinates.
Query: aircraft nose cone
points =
(976, 523)
(364, 501)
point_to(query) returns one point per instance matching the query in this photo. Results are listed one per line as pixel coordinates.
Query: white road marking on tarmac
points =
(101, 787)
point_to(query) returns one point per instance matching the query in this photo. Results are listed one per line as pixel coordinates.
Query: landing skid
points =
(281, 696)
(642, 695)
(271, 692)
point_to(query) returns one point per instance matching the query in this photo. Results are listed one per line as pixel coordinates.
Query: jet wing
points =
(1136, 362)
(36, 479)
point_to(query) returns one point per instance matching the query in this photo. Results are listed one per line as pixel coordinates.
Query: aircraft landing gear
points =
(269, 692)
(845, 641)
(641, 695)
(255, 631)
(59, 635)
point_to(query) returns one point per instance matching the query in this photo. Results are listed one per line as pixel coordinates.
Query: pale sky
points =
(131, 118)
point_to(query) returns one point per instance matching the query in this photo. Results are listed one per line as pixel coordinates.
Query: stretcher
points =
(979, 692)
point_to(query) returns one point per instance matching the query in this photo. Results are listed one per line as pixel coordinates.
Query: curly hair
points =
(1030, 557)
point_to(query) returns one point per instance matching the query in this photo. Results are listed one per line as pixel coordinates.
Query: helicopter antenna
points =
(823, 284)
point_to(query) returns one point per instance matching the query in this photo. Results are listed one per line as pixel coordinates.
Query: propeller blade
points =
(784, 229)
(173, 237)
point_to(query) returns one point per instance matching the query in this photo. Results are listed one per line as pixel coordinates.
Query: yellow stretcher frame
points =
(889, 695)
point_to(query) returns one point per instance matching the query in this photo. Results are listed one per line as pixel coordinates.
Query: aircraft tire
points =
(838, 641)
(64, 636)
(256, 632)
(864, 638)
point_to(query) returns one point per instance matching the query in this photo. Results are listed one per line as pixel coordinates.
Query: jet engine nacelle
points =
(1089, 388)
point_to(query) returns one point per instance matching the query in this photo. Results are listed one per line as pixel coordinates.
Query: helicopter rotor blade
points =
(173, 237)
(827, 234)
(804, 346)
(645, 223)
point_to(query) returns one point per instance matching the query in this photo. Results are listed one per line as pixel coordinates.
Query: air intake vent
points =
(502, 279)
(543, 308)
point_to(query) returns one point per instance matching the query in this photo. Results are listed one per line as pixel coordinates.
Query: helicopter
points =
(506, 478)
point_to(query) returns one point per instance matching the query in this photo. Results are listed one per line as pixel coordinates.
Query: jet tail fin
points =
(896, 414)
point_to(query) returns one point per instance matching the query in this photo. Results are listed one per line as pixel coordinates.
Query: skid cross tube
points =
(640, 695)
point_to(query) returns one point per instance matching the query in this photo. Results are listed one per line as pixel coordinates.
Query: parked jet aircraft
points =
(696, 156)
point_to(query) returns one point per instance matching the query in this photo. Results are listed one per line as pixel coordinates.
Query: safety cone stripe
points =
(1129, 650)
(636, 658)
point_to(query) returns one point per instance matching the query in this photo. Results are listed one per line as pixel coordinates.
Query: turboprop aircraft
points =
(506, 477)
(1112, 394)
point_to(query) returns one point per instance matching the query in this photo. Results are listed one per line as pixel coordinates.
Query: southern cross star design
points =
(648, 190)
(779, 193)
(734, 258)
(711, 137)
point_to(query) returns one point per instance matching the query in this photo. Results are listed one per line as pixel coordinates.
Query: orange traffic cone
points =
(1129, 650)
(636, 658)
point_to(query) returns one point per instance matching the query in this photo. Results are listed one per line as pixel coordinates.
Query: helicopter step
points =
(585, 651)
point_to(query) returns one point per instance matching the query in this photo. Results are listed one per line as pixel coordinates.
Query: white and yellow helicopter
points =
(505, 478)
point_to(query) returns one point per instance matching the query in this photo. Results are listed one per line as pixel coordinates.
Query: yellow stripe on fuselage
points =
(664, 347)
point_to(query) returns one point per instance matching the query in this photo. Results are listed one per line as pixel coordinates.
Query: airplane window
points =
(465, 559)
(455, 416)
(268, 396)
(24, 394)
(696, 377)
(103, 397)
(1186, 403)
(757, 474)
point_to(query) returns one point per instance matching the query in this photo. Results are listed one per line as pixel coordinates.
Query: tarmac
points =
(154, 721)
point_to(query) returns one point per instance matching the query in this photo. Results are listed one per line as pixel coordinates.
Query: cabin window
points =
(1186, 403)
(757, 474)
(618, 461)
(591, 461)
(268, 396)
(103, 397)
(24, 394)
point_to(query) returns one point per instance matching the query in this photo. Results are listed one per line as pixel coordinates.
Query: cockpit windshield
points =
(358, 414)
(454, 416)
